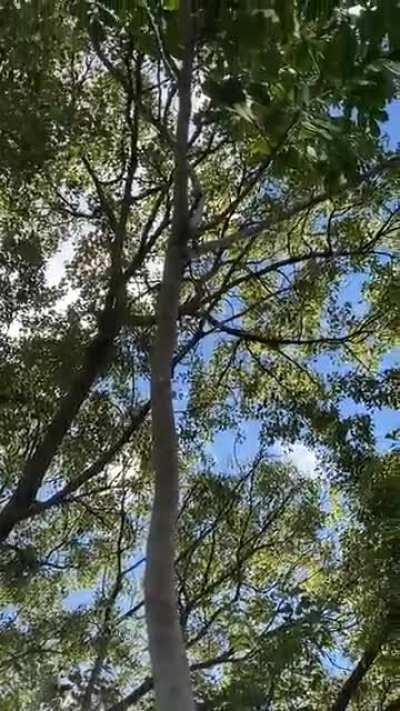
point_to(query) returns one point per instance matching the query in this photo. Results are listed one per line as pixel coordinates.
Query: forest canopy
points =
(199, 315)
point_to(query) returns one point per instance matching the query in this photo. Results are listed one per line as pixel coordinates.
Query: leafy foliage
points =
(296, 195)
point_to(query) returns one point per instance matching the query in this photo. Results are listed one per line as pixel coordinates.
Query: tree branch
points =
(106, 630)
(147, 684)
(254, 230)
(278, 341)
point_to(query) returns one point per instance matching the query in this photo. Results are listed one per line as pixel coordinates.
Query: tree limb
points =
(278, 341)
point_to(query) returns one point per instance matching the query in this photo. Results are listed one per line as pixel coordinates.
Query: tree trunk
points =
(166, 644)
(351, 685)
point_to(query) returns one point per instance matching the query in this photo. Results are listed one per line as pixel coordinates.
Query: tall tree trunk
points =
(166, 644)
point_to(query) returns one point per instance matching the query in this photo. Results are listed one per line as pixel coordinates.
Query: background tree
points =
(214, 176)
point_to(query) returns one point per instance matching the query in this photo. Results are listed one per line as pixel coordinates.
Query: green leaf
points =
(170, 5)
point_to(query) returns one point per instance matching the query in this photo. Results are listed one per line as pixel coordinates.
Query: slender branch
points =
(277, 341)
(115, 71)
(226, 657)
(259, 228)
(249, 185)
(168, 61)
(254, 230)
(105, 203)
(291, 261)
(106, 631)
(147, 684)
(62, 497)
(133, 95)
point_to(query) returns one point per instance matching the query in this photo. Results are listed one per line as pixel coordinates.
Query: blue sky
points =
(392, 127)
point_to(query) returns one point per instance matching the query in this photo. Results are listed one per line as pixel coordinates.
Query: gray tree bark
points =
(170, 666)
